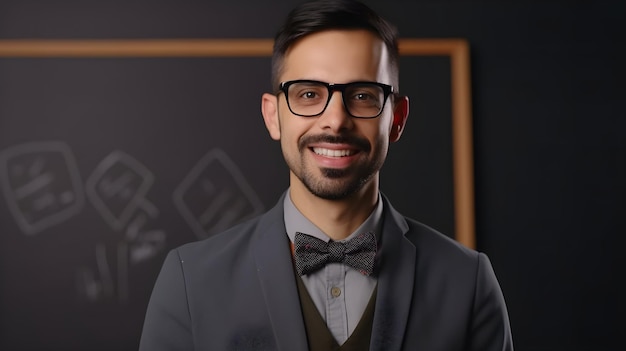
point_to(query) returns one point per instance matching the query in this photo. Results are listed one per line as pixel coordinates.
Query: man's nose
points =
(335, 117)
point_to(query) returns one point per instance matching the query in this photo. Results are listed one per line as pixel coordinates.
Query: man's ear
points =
(269, 109)
(400, 114)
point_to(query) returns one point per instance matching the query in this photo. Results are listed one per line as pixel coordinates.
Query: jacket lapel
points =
(395, 283)
(278, 285)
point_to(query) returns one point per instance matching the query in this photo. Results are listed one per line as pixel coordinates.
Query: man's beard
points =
(340, 189)
(336, 184)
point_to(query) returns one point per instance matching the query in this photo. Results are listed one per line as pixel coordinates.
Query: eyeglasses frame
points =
(332, 87)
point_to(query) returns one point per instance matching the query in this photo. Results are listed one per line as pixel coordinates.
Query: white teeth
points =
(332, 153)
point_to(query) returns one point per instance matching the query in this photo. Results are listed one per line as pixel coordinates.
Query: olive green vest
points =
(318, 335)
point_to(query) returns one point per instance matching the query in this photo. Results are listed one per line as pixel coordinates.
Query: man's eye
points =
(309, 95)
(363, 96)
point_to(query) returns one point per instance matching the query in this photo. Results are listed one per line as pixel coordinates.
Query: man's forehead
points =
(336, 52)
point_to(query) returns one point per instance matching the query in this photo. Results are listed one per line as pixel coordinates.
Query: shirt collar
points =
(295, 221)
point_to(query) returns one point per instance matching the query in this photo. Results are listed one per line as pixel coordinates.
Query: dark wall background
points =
(550, 154)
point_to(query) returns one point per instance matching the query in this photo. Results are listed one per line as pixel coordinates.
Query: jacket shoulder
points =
(233, 237)
(428, 239)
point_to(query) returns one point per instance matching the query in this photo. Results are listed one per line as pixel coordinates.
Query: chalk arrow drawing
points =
(41, 184)
(215, 195)
(117, 187)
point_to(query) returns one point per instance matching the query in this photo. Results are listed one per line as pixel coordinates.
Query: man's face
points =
(334, 155)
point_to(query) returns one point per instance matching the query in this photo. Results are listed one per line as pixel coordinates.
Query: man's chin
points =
(333, 187)
(334, 173)
(327, 194)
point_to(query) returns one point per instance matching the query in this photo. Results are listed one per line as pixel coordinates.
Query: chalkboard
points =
(108, 161)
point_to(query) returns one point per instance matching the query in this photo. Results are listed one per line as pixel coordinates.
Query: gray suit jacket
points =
(237, 291)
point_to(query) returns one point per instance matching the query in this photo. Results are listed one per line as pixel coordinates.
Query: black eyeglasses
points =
(309, 98)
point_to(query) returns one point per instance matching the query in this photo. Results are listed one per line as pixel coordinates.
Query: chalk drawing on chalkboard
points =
(95, 286)
(144, 243)
(41, 184)
(140, 243)
(215, 195)
(117, 186)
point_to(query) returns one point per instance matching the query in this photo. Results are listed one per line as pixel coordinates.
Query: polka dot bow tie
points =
(312, 253)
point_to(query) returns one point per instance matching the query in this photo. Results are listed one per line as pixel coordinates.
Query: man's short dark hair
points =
(319, 15)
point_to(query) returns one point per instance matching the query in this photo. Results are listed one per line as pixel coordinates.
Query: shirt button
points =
(335, 291)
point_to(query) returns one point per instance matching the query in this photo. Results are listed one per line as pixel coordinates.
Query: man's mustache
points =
(357, 142)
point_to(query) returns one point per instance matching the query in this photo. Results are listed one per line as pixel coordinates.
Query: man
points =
(332, 266)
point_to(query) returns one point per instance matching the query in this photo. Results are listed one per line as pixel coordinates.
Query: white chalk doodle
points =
(139, 244)
(96, 285)
(215, 195)
(117, 187)
(41, 184)
(144, 243)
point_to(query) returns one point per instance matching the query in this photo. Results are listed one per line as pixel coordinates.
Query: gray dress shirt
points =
(339, 292)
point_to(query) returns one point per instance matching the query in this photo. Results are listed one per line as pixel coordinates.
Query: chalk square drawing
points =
(41, 184)
(117, 187)
(215, 195)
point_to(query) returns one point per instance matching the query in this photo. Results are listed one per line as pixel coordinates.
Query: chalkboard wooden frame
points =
(456, 49)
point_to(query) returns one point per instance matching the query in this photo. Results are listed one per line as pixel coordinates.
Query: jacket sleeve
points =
(167, 324)
(490, 328)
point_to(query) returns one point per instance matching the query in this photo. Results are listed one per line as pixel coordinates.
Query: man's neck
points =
(337, 218)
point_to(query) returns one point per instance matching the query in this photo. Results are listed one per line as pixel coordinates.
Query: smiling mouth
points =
(333, 153)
